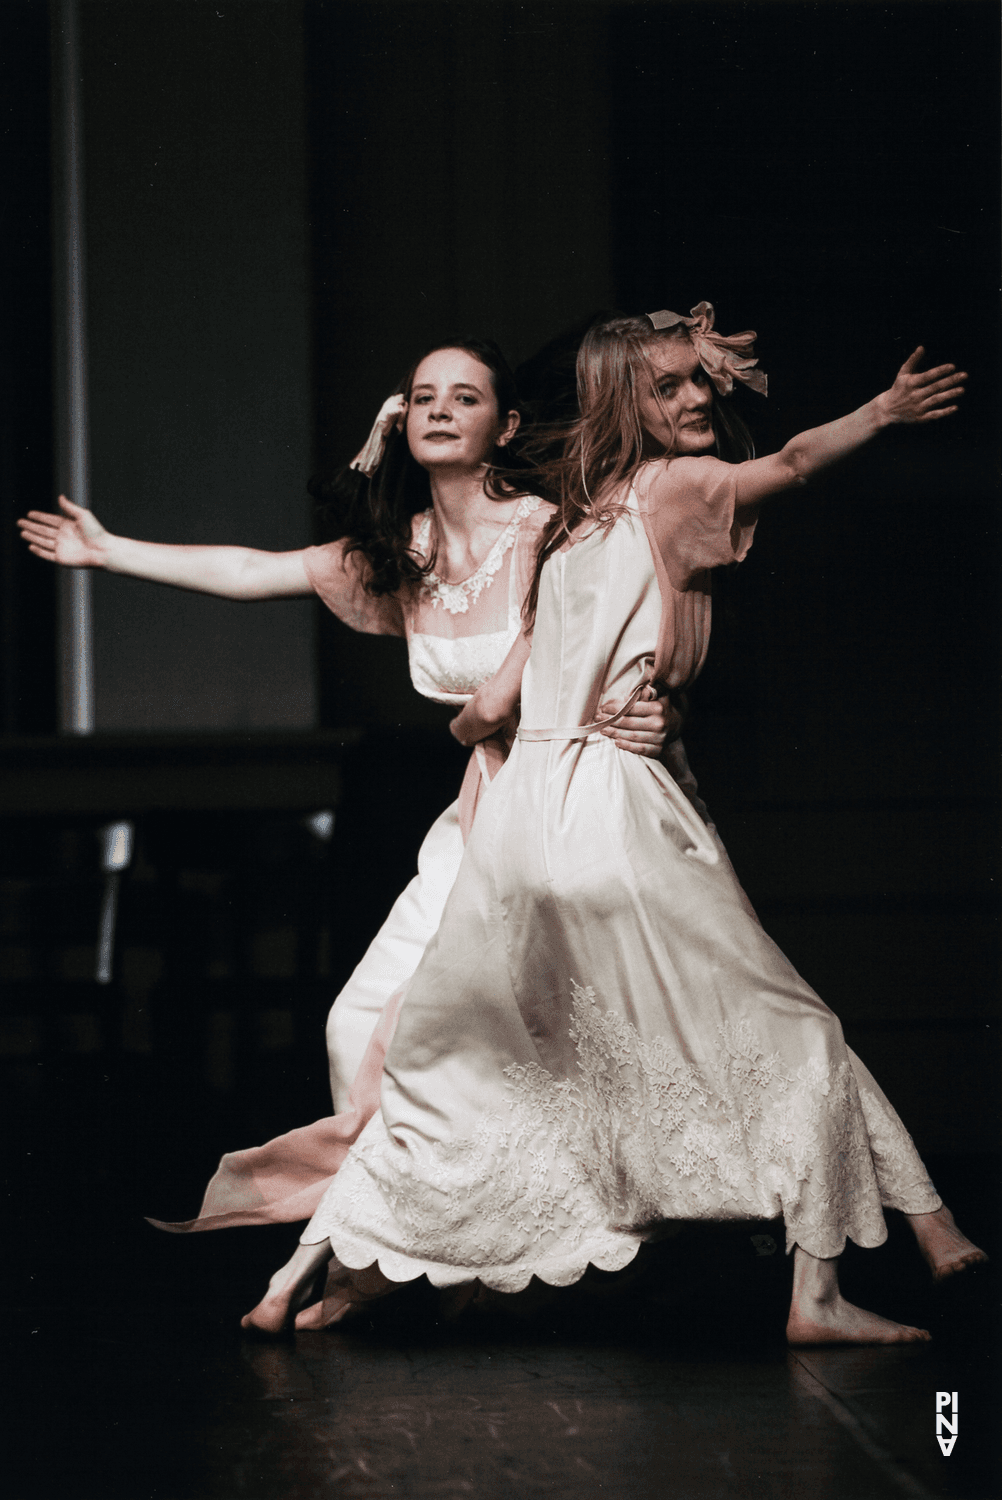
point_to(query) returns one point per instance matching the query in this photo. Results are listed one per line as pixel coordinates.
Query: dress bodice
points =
(458, 634)
(592, 641)
(449, 669)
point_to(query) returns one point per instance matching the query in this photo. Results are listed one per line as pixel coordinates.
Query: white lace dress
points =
(457, 637)
(600, 1036)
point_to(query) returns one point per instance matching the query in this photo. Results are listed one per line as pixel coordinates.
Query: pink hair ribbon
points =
(724, 358)
(391, 414)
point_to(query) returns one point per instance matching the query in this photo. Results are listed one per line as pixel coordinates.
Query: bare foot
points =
(839, 1322)
(288, 1289)
(345, 1294)
(328, 1311)
(819, 1314)
(945, 1249)
(271, 1314)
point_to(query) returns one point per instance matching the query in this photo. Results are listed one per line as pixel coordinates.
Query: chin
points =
(440, 453)
(695, 443)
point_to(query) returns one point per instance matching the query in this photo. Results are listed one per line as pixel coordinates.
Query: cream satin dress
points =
(601, 1037)
(457, 637)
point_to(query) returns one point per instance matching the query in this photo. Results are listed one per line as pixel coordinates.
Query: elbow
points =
(483, 716)
(793, 466)
(493, 709)
(469, 729)
(246, 579)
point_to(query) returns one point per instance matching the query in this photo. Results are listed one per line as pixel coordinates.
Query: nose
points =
(440, 412)
(699, 395)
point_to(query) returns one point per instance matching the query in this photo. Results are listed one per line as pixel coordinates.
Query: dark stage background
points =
(285, 202)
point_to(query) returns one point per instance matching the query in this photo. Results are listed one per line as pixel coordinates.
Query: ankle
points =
(817, 1295)
(941, 1215)
(815, 1281)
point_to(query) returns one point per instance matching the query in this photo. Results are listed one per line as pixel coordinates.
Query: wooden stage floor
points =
(128, 1379)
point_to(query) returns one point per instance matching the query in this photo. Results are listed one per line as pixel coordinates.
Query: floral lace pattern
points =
(457, 597)
(578, 1169)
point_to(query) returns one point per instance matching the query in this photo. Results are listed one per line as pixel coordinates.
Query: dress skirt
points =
(601, 1038)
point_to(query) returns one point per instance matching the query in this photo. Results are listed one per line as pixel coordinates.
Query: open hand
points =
(645, 729)
(76, 539)
(922, 395)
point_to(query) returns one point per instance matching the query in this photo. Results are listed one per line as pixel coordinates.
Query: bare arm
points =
(493, 704)
(915, 396)
(76, 539)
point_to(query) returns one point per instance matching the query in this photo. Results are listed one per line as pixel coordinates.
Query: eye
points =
(469, 400)
(421, 400)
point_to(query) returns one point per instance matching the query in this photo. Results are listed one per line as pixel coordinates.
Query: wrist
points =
(111, 553)
(882, 410)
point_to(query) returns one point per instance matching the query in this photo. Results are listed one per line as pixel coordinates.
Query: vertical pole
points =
(76, 637)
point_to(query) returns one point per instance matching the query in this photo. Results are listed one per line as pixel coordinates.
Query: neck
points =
(457, 495)
(467, 520)
(461, 504)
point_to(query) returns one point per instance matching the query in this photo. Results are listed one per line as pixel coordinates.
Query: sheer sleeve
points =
(690, 504)
(339, 579)
(523, 563)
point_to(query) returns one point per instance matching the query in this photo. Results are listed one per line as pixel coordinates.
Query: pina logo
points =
(946, 1420)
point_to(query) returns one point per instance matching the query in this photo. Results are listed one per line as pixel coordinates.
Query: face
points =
(452, 418)
(676, 413)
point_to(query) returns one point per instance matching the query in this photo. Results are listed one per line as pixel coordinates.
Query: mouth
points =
(441, 437)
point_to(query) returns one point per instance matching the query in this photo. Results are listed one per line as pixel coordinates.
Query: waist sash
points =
(582, 731)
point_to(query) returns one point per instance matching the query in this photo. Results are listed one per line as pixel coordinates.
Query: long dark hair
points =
(375, 514)
(604, 444)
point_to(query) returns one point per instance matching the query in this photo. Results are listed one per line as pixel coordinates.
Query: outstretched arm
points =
(76, 539)
(493, 704)
(915, 396)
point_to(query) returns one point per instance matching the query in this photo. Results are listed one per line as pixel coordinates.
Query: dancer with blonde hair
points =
(601, 1039)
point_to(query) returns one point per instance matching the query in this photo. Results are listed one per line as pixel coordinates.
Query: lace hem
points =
(560, 1173)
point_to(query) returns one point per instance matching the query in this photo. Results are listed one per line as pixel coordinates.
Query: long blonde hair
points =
(604, 444)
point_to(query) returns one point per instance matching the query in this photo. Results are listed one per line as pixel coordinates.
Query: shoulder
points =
(335, 563)
(688, 479)
(325, 561)
(689, 507)
(339, 577)
(701, 470)
(530, 518)
(533, 514)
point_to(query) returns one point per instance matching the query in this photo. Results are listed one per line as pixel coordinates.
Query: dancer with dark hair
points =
(601, 1038)
(425, 552)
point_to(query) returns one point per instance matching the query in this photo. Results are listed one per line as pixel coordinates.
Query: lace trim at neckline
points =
(457, 597)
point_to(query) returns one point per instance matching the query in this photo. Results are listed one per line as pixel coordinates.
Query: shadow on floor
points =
(129, 1378)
